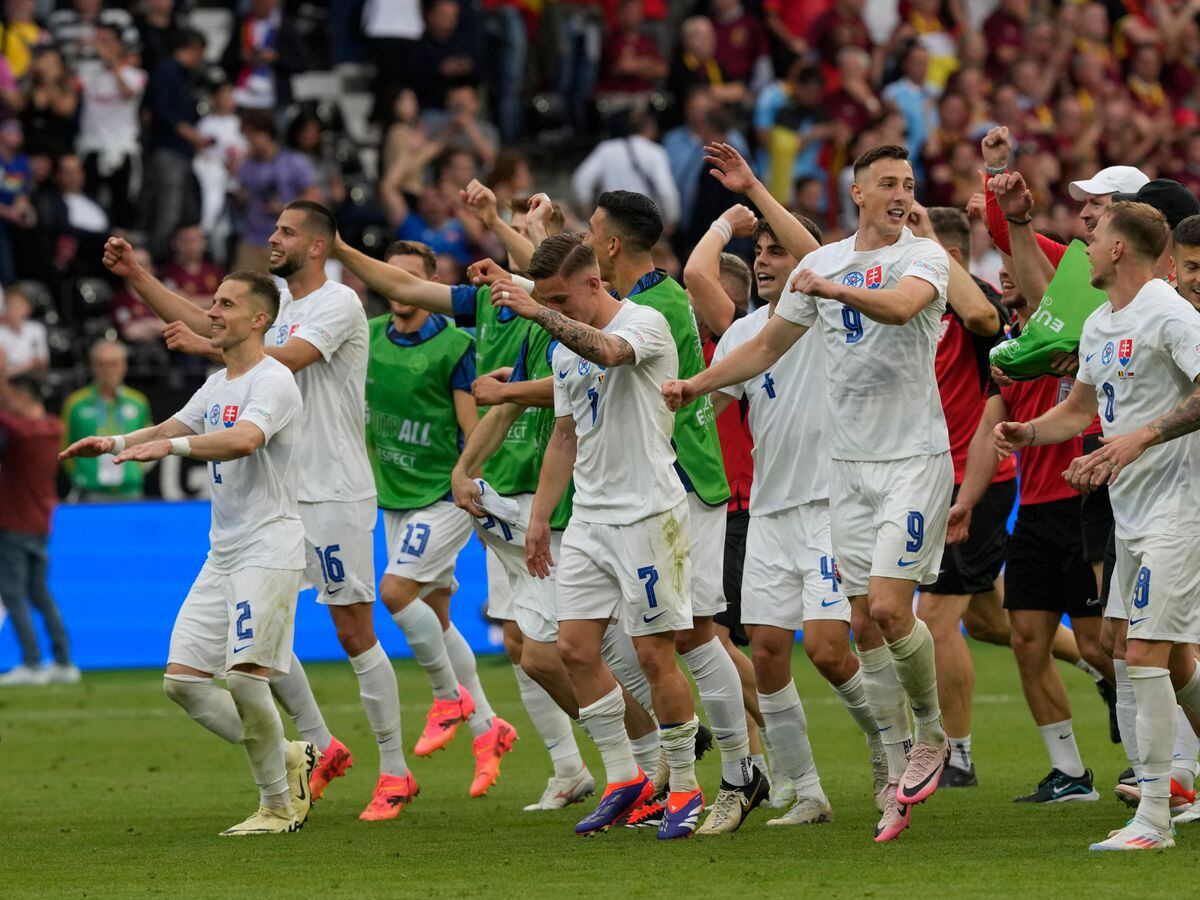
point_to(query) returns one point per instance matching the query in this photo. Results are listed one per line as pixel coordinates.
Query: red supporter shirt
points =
(739, 43)
(736, 443)
(961, 366)
(1040, 468)
(28, 472)
(203, 282)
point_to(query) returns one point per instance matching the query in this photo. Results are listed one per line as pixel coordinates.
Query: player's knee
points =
(1107, 638)
(831, 659)
(985, 631)
(654, 664)
(575, 653)
(176, 691)
(395, 596)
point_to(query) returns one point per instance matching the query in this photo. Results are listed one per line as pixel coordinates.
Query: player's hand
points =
(508, 294)
(504, 373)
(997, 147)
(540, 208)
(1064, 362)
(537, 549)
(182, 339)
(488, 391)
(1102, 466)
(466, 493)
(977, 207)
(1012, 194)
(959, 524)
(481, 200)
(118, 258)
(486, 271)
(741, 219)
(918, 222)
(679, 393)
(147, 452)
(729, 168)
(1000, 378)
(89, 447)
(1011, 437)
(806, 281)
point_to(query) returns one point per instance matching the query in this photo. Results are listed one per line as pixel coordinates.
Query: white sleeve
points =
(1181, 326)
(929, 262)
(1083, 374)
(333, 322)
(797, 307)
(274, 401)
(193, 412)
(562, 403)
(724, 345)
(647, 332)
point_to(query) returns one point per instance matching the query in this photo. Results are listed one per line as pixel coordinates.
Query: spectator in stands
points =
(444, 57)
(510, 177)
(306, 135)
(159, 25)
(19, 34)
(697, 65)
(838, 28)
(73, 221)
(705, 121)
(188, 273)
(391, 28)
(30, 439)
(51, 104)
(508, 43)
(742, 48)
(105, 406)
(22, 341)
(632, 65)
(435, 224)
(270, 178)
(215, 165)
(854, 102)
(173, 141)
(137, 324)
(74, 29)
(109, 133)
(263, 53)
(580, 30)
(791, 125)
(403, 130)
(913, 97)
(1004, 31)
(461, 125)
(632, 163)
(16, 186)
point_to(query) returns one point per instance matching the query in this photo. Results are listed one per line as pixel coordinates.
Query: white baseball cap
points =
(1114, 179)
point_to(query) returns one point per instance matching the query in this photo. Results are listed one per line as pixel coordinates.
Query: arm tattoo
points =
(1183, 419)
(588, 342)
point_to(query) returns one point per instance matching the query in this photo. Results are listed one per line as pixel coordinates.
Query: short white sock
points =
(791, 752)
(1127, 716)
(889, 707)
(720, 691)
(604, 721)
(462, 658)
(679, 744)
(646, 750)
(1156, 728)
(1059, 738)
(854, 697)
(207, 704)
(960, 752)
(618, 652)
(263, 737)
(381, 700)
(1187, 747)
(292, 690)
(1089, 668)
(423, 632)
(551, 723)
(912, 656)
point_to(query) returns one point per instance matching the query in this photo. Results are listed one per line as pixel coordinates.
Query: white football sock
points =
(463, 660)
(960, 753)
(207, 704)
(423, 632)
(912, 656)
(720, 691)
(679, 744)
(1059, 738)
(263, 737)
(1127, 716)
(551, 723)
(604, 721)
(1187, 747)
(292, 691)
(889, 707)
(381, 700)
(854, 697)
(1156, 728)
(646, 750)
(791, 753)
(617, 650)
(1089, 668)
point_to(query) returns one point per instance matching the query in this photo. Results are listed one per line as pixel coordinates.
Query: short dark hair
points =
(762, 226)
(261, 287)
(413, 248)
(735, 268)
(260, 120)
(189, 38)
(635, 216)
(952, 228)
(884, 151)
(28, 384)
(317, 217)
(1142, 227)
(1187, 232)
(561, 254)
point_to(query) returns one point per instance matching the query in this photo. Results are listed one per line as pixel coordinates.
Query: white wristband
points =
(722, 228)
(180, 447)
(118, 444)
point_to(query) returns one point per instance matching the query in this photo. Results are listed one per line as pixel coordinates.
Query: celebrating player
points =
(878, 297)
(238, 617)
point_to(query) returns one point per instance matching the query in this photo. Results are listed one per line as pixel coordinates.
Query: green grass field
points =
(111, 791)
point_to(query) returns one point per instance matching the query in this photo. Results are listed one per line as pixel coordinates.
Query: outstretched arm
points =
(1058, 424)
(167, 305)
(95, 445)
(392, 282)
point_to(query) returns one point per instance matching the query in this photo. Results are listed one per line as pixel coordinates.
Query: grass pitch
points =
(110, 790)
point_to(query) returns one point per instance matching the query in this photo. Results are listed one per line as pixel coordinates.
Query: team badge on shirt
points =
(584, 366)
(874, 278)
(853, 279)
(1124, 356)
(214, 414)
(1107, 355)
(229, 416)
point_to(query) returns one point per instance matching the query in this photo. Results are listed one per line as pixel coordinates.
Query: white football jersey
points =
(624, 467)
(255, 520)
(1142, 361)
(883, 395)
(787, 420)
(332, 458)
